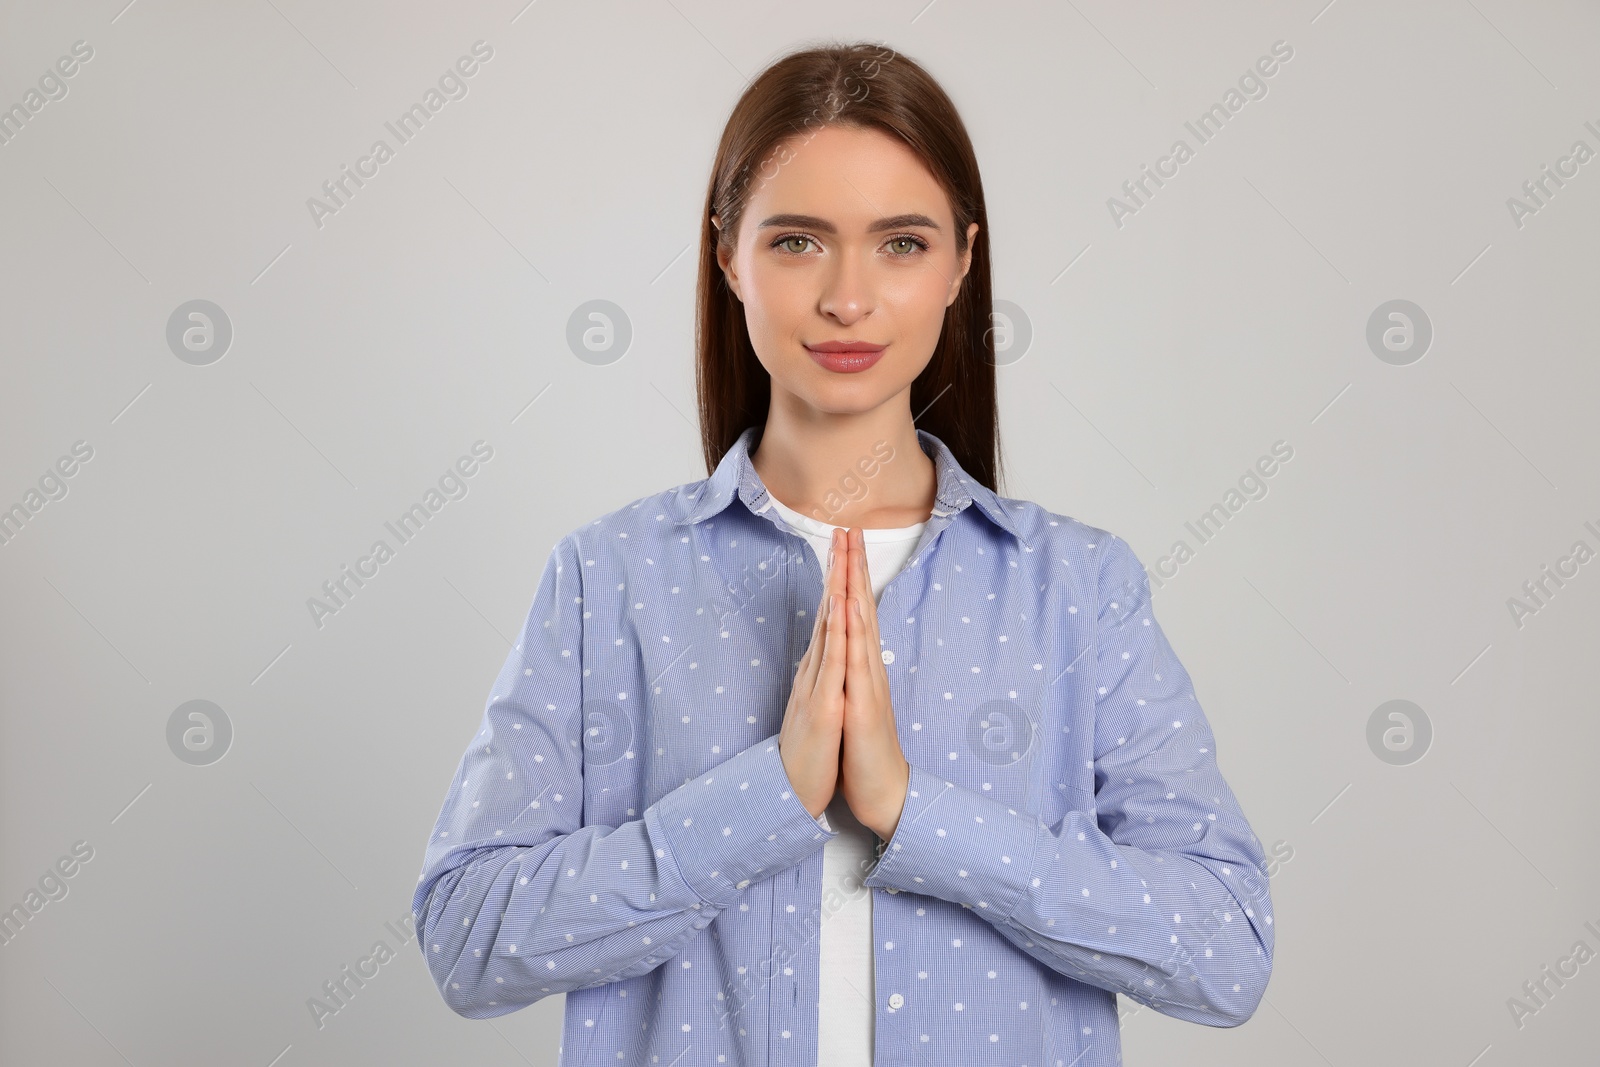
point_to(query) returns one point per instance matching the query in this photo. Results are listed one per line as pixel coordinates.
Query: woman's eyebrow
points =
(812, 222)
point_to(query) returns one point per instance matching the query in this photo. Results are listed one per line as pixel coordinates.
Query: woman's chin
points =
(845, 398)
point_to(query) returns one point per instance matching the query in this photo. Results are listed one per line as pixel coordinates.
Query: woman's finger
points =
(869, 603)
(806, 668)
(861, 636)
(856, 643)
(830, 672)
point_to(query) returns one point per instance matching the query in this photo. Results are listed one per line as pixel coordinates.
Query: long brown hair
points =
(860, 85)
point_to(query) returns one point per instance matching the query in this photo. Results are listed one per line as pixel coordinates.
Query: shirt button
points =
(896, 1000)
(888, 655)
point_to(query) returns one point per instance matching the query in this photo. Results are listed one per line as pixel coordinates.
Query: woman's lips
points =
(847, 362)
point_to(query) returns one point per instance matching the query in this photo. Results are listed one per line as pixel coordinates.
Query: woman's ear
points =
(966, 265)
(725, 259)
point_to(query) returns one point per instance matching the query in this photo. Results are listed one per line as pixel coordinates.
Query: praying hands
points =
(839, 729)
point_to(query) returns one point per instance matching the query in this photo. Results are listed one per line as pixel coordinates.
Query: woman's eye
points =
(908, 245)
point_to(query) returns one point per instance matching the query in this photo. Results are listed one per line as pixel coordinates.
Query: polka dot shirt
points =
(621, 828)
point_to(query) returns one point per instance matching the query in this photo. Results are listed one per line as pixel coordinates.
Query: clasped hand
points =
(839, 729)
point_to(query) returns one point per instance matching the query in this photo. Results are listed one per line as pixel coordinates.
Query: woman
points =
(836, 755)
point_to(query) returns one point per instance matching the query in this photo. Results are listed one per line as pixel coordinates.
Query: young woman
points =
(837, 756)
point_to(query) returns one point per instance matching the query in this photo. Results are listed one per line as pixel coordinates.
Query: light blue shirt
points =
(621, 828)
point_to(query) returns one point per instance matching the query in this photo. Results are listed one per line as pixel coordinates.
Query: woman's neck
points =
(859, 471)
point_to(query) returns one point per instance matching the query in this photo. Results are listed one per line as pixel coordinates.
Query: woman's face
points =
(845, 237)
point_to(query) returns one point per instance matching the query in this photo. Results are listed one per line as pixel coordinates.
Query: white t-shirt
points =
(846, 1010)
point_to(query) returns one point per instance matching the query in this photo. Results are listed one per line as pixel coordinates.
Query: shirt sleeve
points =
(1161, 895)
(520, 900)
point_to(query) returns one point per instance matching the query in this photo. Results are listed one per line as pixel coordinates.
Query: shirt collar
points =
(735, 474)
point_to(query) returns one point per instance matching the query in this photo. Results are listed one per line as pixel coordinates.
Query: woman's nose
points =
(847, 289)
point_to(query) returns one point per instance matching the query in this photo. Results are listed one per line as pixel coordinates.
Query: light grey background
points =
(1167, 355)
